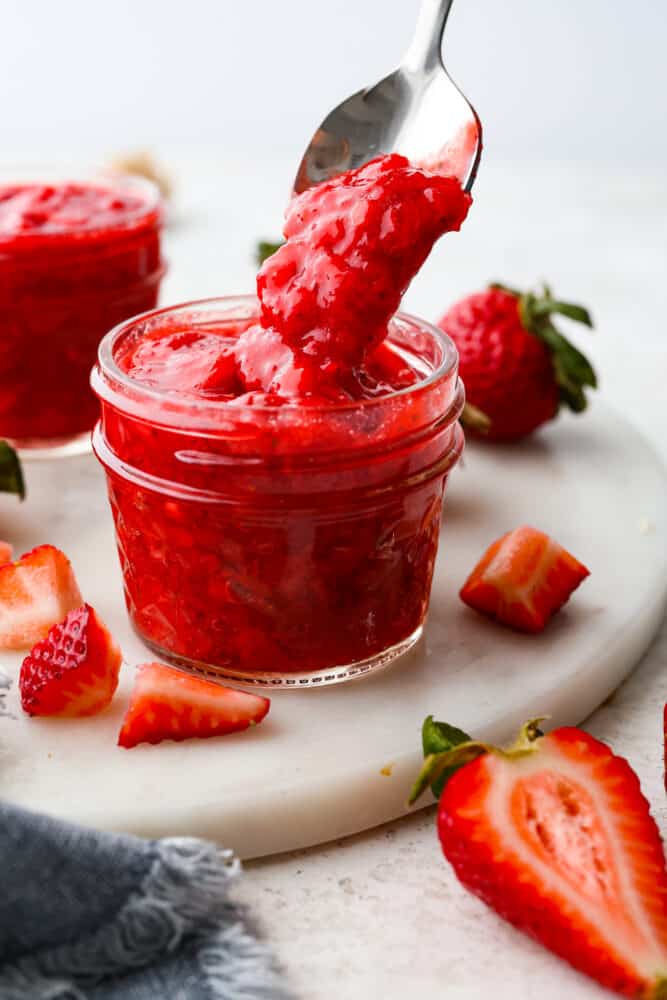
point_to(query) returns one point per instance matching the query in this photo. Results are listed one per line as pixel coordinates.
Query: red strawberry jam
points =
(353, 246)
(276, 468)
(75, 259)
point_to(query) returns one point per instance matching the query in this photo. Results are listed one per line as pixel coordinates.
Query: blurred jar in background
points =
(78, 254)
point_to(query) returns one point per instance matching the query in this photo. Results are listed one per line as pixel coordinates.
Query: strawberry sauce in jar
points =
(76, 257)
(275, 543)
(276, 464)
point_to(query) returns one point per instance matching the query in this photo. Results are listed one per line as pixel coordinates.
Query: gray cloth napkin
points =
(95, 916)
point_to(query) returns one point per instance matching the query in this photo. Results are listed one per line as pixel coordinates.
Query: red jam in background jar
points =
(276, 465)
(76, 257)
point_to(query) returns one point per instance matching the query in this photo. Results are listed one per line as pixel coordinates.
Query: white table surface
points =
(380, 915)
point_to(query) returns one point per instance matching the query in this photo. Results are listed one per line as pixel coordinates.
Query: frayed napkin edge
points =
(184, 894)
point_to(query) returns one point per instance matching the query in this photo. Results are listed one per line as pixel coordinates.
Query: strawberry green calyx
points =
(438, 738)
(11, 475)
(526, 739)
(265, 249)
(572, 370)
(439, 766)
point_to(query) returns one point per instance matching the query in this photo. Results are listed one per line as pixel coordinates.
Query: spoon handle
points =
(425, 49)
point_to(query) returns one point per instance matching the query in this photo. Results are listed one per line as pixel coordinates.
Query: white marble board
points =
(330, 762)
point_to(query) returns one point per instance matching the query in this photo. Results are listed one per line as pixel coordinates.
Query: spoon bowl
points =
(417, 110)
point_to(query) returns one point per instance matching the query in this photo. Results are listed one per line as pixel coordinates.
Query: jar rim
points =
(29, 173)
(107, 367)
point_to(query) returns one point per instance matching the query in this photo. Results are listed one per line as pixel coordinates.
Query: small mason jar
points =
(63, 284)
(284, 544)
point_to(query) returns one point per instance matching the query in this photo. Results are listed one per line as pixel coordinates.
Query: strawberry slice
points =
(6, 552)
(523, 579)
(167, 704)
(36, 592)
(74, 670)
(555, 835)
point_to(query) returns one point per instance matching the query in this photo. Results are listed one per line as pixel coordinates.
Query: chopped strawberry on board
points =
(6, 552)
(167, 704)
(523, 579)
(36, 592)
(74, 670)
(555, 835)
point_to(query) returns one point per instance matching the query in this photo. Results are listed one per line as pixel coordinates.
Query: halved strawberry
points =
(523, 579)
(74, 670)
(36, 592)
(167, 704)
(555, 835)
(6, 553)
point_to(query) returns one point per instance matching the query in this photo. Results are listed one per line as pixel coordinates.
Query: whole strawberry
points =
(517, 368)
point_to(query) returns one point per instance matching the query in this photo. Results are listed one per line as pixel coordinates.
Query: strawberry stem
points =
(473, 419)
(11, 474)
(446, 762)
(265, 249)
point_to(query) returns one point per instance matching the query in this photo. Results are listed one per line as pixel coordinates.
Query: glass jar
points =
(279, 545)
(62, 287)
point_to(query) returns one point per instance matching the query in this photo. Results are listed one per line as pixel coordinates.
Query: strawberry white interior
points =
(589, 852)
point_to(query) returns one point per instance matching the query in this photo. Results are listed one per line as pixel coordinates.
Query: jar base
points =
(309, 679)
(46, 449)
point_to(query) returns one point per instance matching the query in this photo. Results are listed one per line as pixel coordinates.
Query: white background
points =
(226, 93)
(581, 79)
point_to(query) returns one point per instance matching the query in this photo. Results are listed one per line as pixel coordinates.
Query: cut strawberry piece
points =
(74, 670)
(36, 592)
(555, 835)
(167, 704)
(6, 553)
(523, 579)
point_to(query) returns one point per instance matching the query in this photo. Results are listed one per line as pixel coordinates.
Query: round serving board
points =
(333, 761)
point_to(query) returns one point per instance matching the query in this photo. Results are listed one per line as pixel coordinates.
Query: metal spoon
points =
(417, 111)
